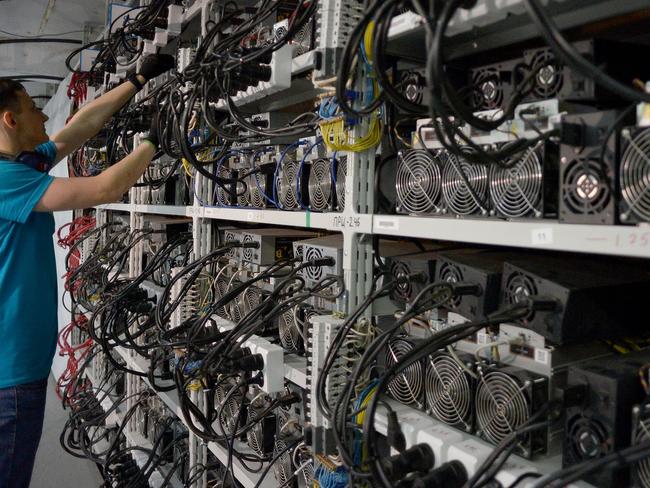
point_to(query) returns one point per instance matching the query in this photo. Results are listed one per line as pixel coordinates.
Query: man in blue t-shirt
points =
(28, 287)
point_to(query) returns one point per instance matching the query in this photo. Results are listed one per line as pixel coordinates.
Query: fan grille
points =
(450, 273)
(412, 84)
(501, 405)
(229, 406)
(314, 273)
(635, 174)
(550, 77)
(282, 468)
(418, 182)
(320, 184)
(519, 287)
(517, 191)
(404, 290)
(256, 190)
(585, 188)
(247, 252)
(341, 175)
(448, 391)
(223, 197)
(290, 336)
(642, 436)
(587, 437)
(407, 386)
(464, 186)
(255, 436)
(251, 299)
(487, 89)
(287, 184)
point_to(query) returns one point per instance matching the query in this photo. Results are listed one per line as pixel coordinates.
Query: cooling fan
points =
(314, 273)
(320, 185)
(290, 330)
(262, 436)
(287, 185)
(505, 399)
(412, 85)
(250, 299)
(518, 288)
(418, 183)
(635, 175)
(408, 386)
(450, 273)
(224, 195)
(586, 191)
(464, 186)
(641, 435)
(283, 467)
(518, 190)
(449, 390)
(341, 176)
(248, 252)
(487, 89)
(228, 405)
(404, 290)
(549, 77)
(587, 438)
(257, 188)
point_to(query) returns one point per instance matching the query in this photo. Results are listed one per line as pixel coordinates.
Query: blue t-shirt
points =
(28, 285)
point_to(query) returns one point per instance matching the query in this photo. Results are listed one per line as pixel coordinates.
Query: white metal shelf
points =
(310, 220)
(548, 235)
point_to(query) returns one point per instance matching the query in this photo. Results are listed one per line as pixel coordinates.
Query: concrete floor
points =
(55, 467)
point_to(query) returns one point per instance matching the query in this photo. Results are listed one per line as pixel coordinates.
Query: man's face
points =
(30, 121)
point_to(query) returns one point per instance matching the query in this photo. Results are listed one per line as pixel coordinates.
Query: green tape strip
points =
(308, 219)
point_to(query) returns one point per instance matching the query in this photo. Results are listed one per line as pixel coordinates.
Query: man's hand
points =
(155, 65)
(152, 136)
(92, 117)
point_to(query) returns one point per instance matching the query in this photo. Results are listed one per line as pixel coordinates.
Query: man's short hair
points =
(9, 94)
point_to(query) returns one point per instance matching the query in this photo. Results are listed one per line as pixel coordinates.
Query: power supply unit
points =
(480, 269)
(273, 244)
(553, 79)
(588, 174)
(599, 414)
(491, 85)
(321, 247)
(584, 299)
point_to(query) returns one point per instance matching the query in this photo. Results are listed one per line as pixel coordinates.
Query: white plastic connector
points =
(272, 355)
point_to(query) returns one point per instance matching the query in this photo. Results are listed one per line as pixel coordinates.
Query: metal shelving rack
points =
(357, 222)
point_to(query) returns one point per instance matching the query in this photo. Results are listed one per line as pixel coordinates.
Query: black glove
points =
(152, 136)
(155, 65)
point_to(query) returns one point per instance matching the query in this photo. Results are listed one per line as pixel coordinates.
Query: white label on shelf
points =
(542, 237)
(343, 222)
(384, 223)
(541, 355)
(254, 216)
(482, 338)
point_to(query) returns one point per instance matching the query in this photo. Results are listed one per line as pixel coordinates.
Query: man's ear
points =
(8, 119)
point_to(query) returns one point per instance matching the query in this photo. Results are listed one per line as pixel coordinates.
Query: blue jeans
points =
(22, 409)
